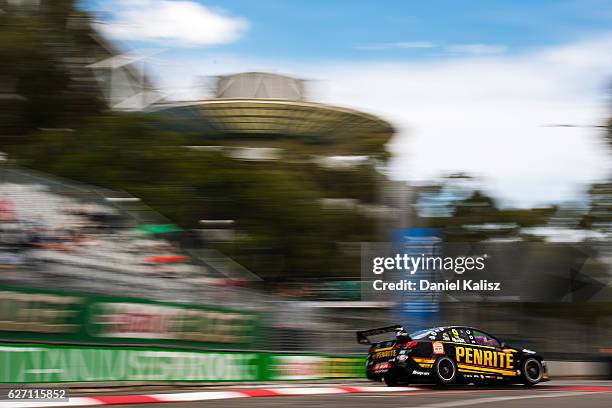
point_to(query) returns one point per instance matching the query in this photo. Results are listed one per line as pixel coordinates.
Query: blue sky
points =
(470, 85)
(344, 29)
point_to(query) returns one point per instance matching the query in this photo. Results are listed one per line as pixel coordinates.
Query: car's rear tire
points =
(445, 370)
(390, 380)
(531, 371)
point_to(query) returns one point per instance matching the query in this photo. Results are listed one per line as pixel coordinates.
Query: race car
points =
(448, 355)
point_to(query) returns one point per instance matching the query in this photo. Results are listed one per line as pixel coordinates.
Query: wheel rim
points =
(446, 369)
(532, 370)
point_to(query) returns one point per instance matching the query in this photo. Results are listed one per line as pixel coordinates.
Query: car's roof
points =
(450, 327)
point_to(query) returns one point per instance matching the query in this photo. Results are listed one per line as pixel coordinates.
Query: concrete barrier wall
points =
(558, 369)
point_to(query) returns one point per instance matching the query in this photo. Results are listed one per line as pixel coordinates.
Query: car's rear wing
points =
(363, 336)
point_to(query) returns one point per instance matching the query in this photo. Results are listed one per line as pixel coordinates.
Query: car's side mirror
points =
(503, 344)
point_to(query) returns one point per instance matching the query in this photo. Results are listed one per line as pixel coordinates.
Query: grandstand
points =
(57, 233)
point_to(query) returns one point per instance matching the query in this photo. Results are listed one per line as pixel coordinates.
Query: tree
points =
(471, 215)
(44, 52)
(286, 232)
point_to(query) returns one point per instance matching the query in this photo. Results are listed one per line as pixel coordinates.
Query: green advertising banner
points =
(71, 318)
(312, 367)
(48, 364)
(57, 364)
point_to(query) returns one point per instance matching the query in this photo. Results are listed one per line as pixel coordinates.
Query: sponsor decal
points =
(417, 372)
(438, 348)
(381, 367)
(384, 354)
(484, 358)
(424, 362)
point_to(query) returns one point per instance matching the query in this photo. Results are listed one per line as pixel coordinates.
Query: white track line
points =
(308, 391)
(386, 389)
(487, 400)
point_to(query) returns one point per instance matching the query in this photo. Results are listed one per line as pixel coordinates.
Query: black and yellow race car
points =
(448, 355)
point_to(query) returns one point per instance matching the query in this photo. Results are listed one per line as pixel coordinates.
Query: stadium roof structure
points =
(262, 104)
(276, 116)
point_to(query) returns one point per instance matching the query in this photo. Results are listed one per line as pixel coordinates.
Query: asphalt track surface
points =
(558, 394)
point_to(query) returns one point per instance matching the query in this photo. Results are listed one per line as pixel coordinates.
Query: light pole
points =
(217, 226)
(117, 201)
(3, 161)
(217, 222)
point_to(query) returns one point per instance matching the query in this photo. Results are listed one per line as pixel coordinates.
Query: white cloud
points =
(178, 23)
(475, 49)
(405, 45)
(456, 49)
(485, 115)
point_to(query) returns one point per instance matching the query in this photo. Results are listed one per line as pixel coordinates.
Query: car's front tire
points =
(531, 371)
(445, 370)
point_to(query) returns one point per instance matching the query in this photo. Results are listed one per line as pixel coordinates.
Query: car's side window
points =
(434, 334)
(469, 333)
(455, 334)
(484, 339)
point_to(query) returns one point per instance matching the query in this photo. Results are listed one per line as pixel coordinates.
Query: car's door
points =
(483, 353)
